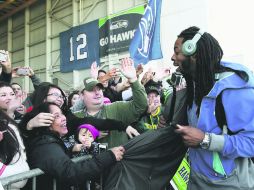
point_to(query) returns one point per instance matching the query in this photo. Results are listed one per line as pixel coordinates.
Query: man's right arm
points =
(129, 112)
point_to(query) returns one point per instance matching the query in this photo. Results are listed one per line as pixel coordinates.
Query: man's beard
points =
(186, 66)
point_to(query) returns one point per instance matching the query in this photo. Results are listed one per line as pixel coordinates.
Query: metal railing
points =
(7, 181)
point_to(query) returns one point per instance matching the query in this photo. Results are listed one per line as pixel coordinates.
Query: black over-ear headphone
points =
(189, 47)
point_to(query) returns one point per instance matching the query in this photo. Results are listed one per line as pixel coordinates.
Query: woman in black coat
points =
(46, 150)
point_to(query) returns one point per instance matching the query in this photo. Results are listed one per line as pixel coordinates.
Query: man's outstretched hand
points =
(128, 69)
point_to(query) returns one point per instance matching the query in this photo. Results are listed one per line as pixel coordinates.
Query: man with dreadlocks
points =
(219, 152)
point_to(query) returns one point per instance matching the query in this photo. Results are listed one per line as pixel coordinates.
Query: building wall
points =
(32, 36)
(176, 16)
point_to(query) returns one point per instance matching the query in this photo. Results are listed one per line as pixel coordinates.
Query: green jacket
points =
(125, 111)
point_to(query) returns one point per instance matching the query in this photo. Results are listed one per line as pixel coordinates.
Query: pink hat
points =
(106, 101)
(91, 128)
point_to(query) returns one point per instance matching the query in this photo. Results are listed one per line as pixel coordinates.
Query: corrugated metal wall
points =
(33, 35)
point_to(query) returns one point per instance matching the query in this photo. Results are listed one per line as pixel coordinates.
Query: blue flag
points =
(145, 45)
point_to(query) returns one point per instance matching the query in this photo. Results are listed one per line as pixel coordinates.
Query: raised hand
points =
(77, 147)
(88, 143)
(41, 120)
(113, 73)
(14, 72)
(28, 71)
(6, 65)
(161, 74)
(31, 71)
(128, 69)
(139, 69)
(147, 76)
(94, 70)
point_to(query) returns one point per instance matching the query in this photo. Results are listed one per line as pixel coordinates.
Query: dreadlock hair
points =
(208, 56)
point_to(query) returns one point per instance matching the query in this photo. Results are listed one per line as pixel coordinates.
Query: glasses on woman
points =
(56, 95)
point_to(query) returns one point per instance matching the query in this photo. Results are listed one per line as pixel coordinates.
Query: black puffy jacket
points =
(47, 152)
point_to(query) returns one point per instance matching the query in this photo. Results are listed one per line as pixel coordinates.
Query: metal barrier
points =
(7, 181)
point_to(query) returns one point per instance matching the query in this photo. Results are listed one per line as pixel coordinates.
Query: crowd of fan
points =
(46, 128)
(210, 109)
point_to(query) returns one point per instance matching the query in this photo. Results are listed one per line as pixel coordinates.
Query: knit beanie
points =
(91, 128)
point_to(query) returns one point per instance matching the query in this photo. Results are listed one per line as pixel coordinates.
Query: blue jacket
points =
(238, 102)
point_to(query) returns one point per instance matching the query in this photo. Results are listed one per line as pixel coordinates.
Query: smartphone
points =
(3, 57)
(23, 71)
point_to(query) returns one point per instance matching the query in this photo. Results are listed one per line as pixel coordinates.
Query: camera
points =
(103, 147)
(176, 79)
(3, 57)
(23, 71)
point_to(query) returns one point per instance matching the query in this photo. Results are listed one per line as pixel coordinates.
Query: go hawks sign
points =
(116, 31)
(83, 44)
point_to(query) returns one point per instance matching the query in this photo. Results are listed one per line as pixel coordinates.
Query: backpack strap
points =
(221, 116)
(219, 108)
(172, 107)
(220, 112)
